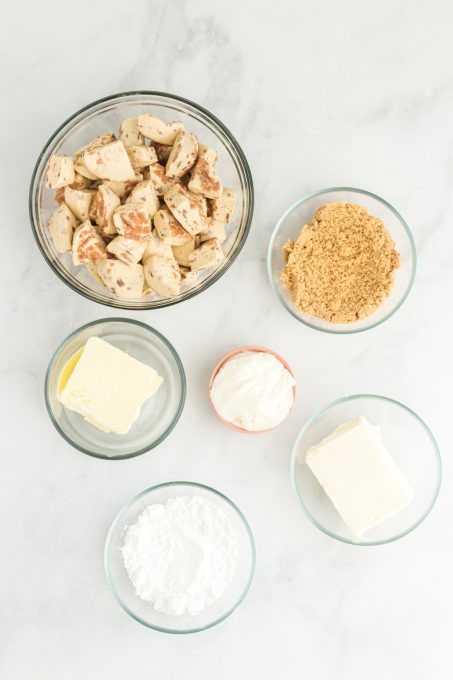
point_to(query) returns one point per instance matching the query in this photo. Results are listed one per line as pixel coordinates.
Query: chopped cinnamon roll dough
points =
(134, 210)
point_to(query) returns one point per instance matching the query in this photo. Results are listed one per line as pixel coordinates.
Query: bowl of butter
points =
(366, 469)
(115, 388)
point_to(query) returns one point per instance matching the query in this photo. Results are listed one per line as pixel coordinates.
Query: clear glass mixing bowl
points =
(158, 415)
(143, 611)
(409, 441)
(105, 115)
(289, 226)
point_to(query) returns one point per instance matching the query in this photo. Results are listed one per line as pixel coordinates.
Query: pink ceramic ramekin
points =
(224, 360)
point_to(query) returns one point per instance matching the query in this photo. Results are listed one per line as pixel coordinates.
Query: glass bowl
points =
(227, 357)
(158, 415)
(142, 611)
(289, 226)
(410, 443)
(105, 115)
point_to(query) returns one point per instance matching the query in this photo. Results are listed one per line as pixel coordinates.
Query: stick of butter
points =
(107, 386)
(359, 475)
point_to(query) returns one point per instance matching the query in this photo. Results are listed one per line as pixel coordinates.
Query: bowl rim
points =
(248, 184)
(294, 462)
(328, 190)
(181, 373)
(114, 526)
(227, 357)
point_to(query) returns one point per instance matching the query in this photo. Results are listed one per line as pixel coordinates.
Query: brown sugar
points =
(341, 266)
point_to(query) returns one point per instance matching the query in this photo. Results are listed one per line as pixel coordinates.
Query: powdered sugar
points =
(181, 556)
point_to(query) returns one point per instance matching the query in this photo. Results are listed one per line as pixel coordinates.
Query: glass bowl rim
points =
(328, 190)
(294, 462)
(175, 418)
(224, 130)
(115, 524)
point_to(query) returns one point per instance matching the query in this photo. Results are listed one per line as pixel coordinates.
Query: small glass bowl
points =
(158, 415)
(142, 611)
(227, 357)
(409, 441)
(105, 115)
(288, 228)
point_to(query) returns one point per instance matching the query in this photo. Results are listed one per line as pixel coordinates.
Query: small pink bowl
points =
(224, 360)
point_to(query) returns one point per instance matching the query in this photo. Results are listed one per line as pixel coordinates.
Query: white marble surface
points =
(318, 93)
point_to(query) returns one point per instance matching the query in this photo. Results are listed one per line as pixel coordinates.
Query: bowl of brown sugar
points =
(341, 260)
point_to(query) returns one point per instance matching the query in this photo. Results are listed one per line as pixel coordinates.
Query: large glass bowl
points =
(105, 115)
(158, 415)
(409, 441)
(142, 611)
(289, 226)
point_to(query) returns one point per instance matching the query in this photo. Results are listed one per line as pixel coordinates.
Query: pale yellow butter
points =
(108, 387)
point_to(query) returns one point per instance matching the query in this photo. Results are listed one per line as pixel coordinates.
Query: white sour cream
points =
(253, 390)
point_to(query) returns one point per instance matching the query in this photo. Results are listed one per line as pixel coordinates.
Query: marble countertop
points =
(318, 94)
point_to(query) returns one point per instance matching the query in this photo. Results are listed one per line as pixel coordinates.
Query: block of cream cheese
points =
(107, 386)
(359, 475)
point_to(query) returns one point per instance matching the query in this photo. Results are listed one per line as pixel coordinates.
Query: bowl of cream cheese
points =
(366, 469)
(252, 389)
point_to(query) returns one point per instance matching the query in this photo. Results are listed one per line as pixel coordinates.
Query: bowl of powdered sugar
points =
(179, 557)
